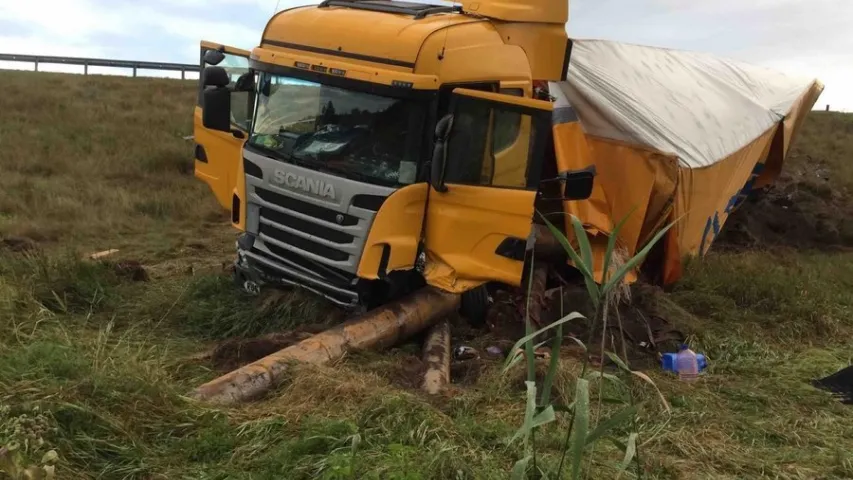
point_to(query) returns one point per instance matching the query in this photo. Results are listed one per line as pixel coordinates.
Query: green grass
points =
(98, 162)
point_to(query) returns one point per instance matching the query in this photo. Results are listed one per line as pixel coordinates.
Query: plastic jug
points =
(686, 364)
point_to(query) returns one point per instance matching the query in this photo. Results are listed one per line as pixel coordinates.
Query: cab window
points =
(489, 145)
(242, 103)
(507, 124)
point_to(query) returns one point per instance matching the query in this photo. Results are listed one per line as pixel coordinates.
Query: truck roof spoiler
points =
(417, 10)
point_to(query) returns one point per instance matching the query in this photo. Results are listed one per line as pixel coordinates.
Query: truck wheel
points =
(475, 305)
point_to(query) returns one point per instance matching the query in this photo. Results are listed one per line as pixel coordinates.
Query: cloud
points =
(800, 36)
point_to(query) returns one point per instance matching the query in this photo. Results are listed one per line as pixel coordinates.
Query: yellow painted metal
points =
(222, 149)
(226, 48)
(397, 225)
(544, 44)
(464, 227)
(472, 52)
(224, 153)
(506, 99)
(544, 11)
(355, 70)
(380, 328)
(466, 223)
(347, 31)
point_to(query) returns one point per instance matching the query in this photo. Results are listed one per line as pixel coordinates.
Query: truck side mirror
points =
(216, 109)
(213, 57)
(578, 183)
(246, 82)
(439, 154)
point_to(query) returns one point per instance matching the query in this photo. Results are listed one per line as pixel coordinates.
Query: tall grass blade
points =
(618, 418)
(579, 342)
(618, 361)
(531, 336)
(611, 244)
(580, 426)
(518, 355)
(528, 328)
(630, 451)
(544, 417)
(631, 264)
(552, 367)
(604, 376)
(519, 470)
(642, 376)
(529, 413)
(583, 243)
(588, 275)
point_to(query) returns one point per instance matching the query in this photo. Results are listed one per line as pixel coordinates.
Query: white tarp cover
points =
(696, 106)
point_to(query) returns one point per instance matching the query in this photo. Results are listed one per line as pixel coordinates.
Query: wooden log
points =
(377, 329)
(437, 358)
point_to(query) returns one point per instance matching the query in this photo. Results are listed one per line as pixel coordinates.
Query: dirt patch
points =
(131, 270)
(408, 372)
(638, 320)
(237, 352)
(801, 210)
(18, 244)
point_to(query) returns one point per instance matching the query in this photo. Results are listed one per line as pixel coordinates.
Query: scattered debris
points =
(19, 244)
(132, 270)
(667, 362)
(464, 352)
(801, 210)
(839, 383)
(99, 255)
(542, 353)
(437, 358)
(495, 351)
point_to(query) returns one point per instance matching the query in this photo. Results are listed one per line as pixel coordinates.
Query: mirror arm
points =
(566, 175)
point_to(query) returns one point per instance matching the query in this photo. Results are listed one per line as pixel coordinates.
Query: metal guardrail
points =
(100, 62)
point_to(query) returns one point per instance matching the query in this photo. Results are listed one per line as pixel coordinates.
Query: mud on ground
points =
(803, 210)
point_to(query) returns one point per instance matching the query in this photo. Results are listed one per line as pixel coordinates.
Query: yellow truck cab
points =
(368, 147)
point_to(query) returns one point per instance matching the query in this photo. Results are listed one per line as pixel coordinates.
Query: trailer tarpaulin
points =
(673, 135)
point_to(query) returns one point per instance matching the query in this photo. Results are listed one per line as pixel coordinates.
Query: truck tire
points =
(475, 305)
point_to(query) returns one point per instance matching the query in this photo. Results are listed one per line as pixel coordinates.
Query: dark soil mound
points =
(801, 210)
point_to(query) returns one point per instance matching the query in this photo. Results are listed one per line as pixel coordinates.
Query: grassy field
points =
(93, 163)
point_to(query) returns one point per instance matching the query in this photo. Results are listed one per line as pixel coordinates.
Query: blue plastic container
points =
(667, 362)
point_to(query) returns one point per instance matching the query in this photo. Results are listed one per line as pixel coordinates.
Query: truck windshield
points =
(353, 134)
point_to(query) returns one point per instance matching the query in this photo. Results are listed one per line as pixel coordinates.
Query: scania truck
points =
(365, 148)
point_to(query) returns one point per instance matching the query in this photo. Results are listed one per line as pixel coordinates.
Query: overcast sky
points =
(811, 37)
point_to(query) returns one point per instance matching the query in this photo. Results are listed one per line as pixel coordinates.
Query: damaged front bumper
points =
(256, 267)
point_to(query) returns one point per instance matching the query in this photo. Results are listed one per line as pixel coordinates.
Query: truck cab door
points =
(485, 176)
(218, 154)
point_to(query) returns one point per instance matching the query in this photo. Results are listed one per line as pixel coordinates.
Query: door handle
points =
(238, 133)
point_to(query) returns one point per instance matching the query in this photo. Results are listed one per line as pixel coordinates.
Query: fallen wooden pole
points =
(437, 358)
(379, 328)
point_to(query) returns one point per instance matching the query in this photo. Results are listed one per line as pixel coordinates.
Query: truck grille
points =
(301, 243)
(292, 228)
(306, 226)
(318, 241)
(290, 203)
(326, 272)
